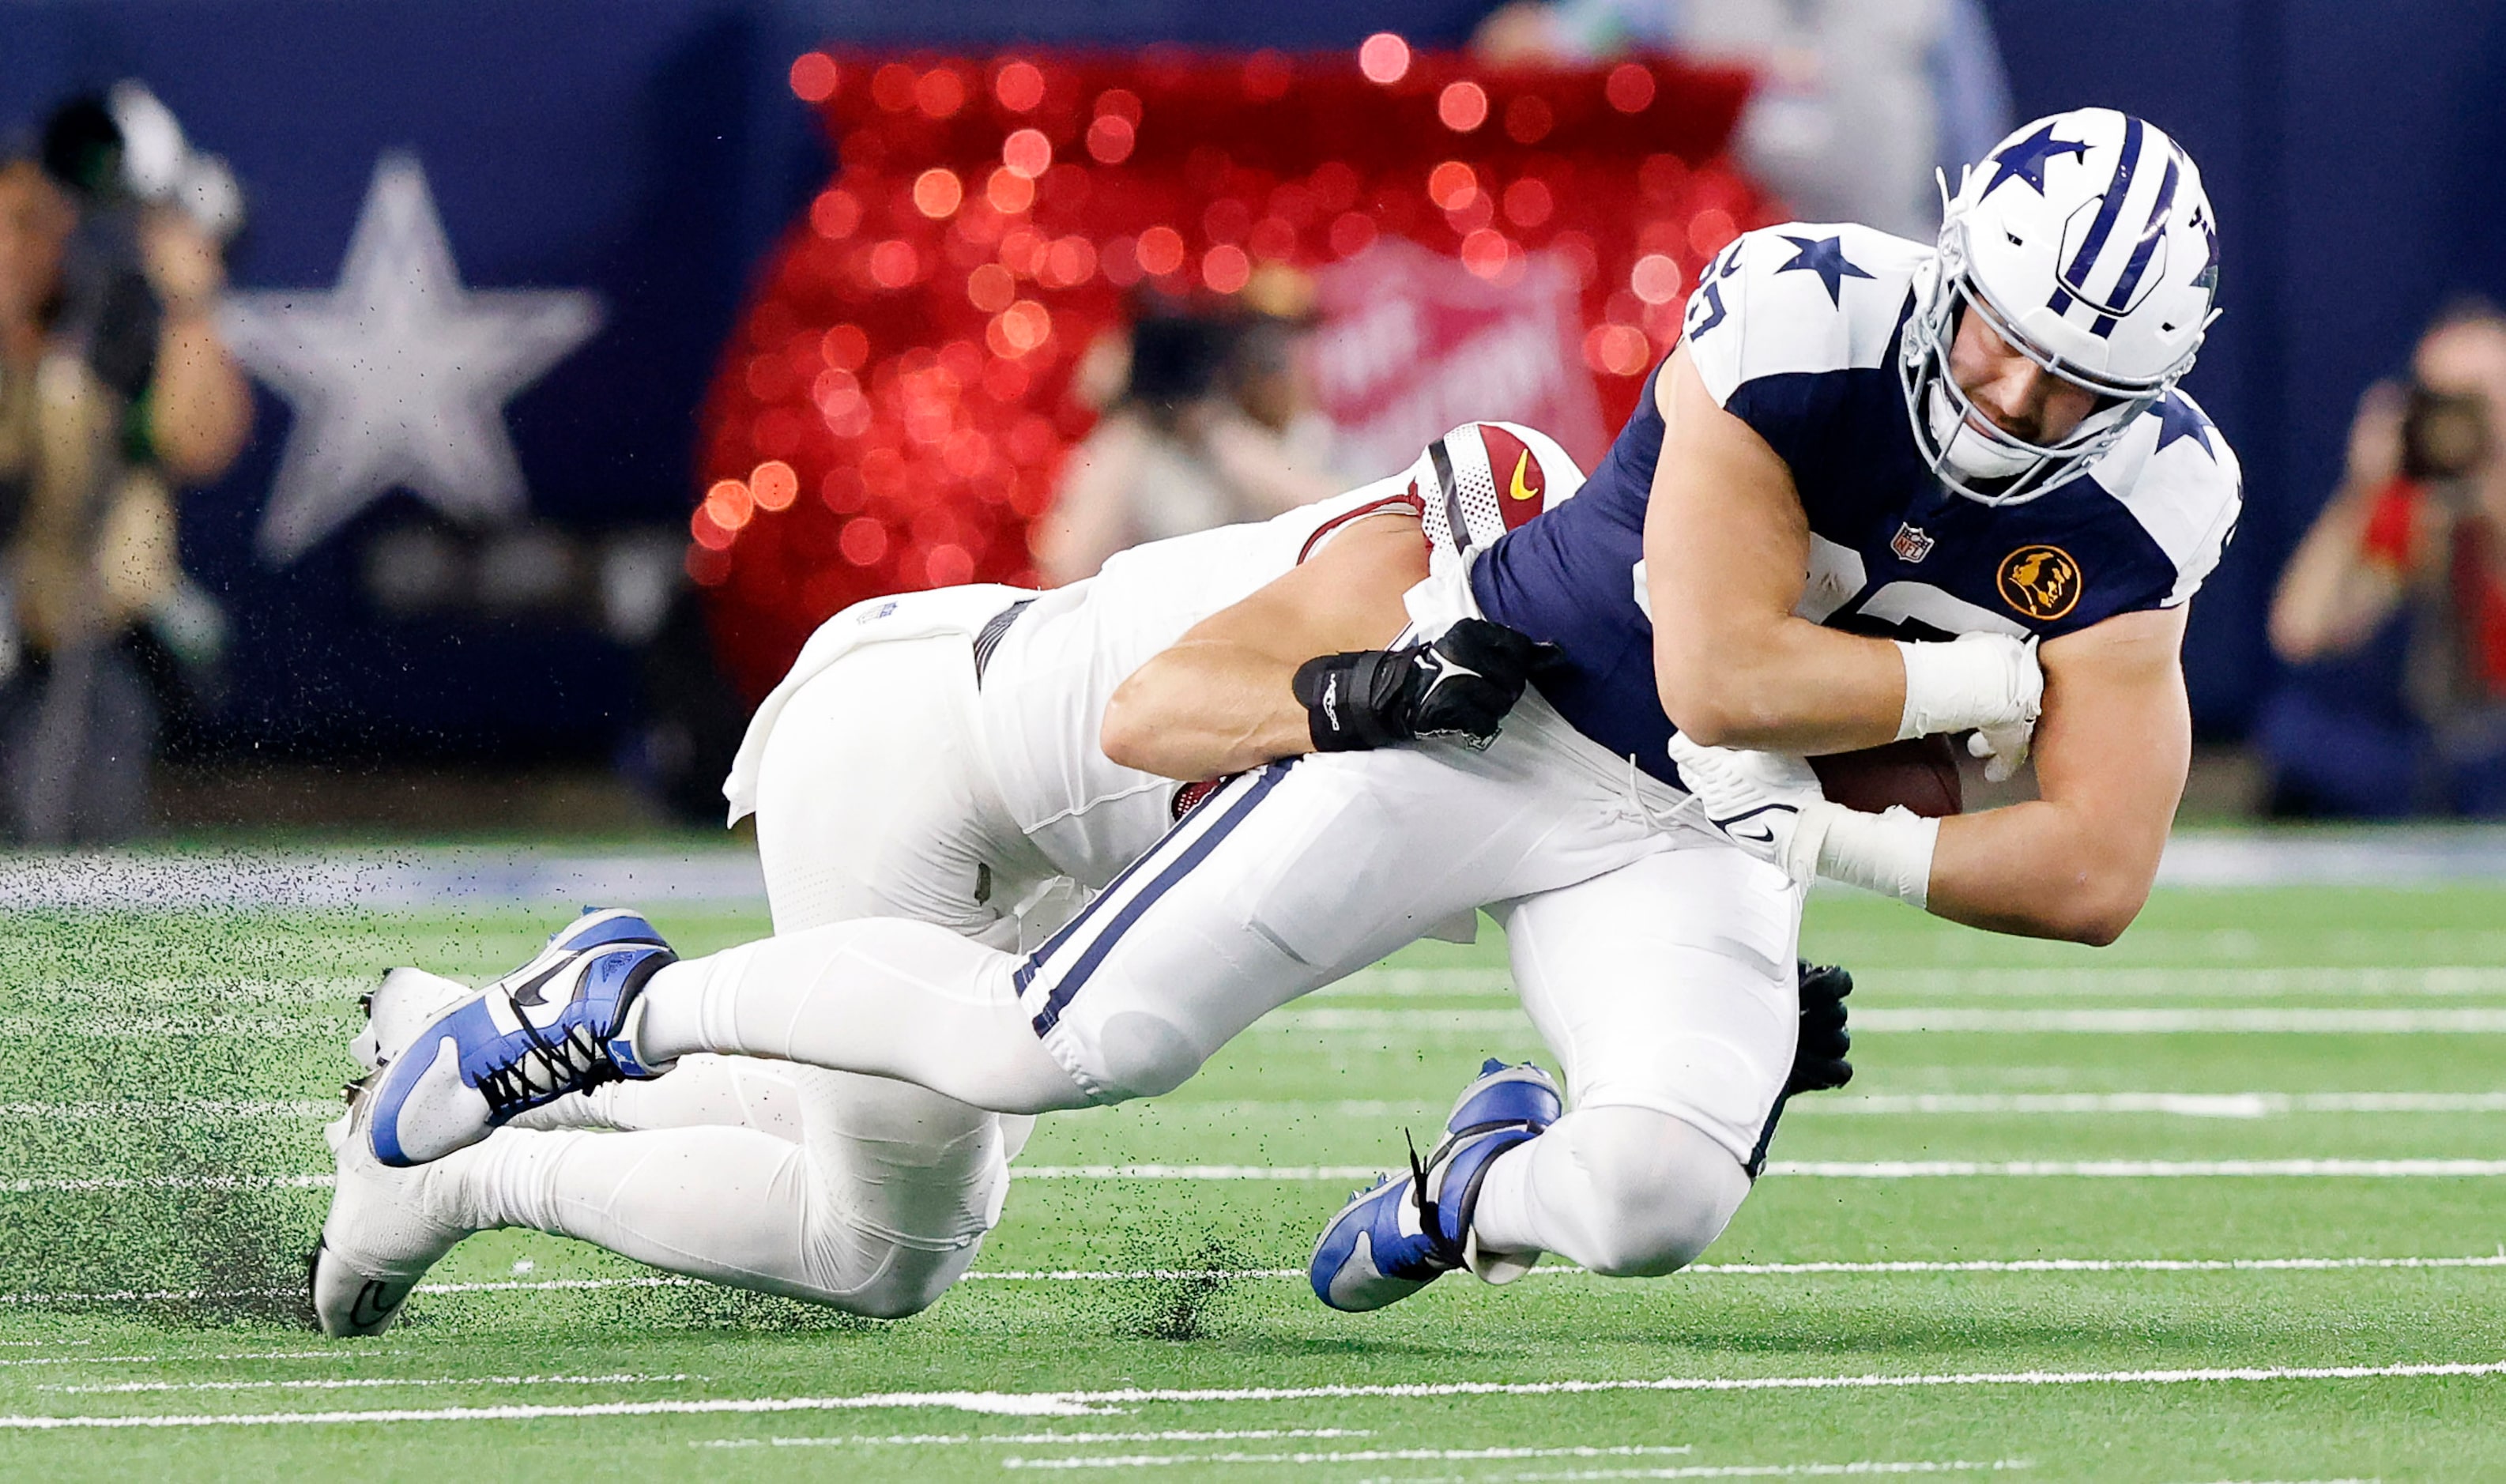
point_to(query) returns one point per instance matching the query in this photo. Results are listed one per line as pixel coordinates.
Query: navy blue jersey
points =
(1794, 331)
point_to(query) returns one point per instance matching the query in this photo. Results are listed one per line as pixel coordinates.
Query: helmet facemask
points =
(1967, 450)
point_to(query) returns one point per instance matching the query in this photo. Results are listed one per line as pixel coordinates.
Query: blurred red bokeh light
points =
(893, 410)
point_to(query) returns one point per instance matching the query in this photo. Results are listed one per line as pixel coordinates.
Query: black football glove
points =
(1461, 687)
(1819, 1062)
(1818, 1057)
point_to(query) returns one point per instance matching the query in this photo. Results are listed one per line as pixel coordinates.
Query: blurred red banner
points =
(894, 407)
(1413, 343)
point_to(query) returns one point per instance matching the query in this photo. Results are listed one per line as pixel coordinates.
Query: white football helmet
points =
(1483, 478)
(2086, 242)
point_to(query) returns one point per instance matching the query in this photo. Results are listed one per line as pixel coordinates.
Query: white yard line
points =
(1877, 1169)
(1947, 1019)
(293, 990)
(1096, 1403)
(324, 1022)
(318, 1000)
(2172, 982)
(2159, 1022)
(1791, 1270)
(1224, 1172)
(1133, 1274)
(1155, 1109)
(2366, 981)
(1358, 1456)
(2186, 1105)
(188, 1296)
(251, 1354)
(2092, 1265)
(2142, 1169)
(1423, 1022)
(173, 1111)
(1225, 1275)
(495, 878)
(1030, 1439)
(361, 1382)
(2372, 981)
(2190, 1105)
(1920, 943)
(1858, 1470)
(87, 1183)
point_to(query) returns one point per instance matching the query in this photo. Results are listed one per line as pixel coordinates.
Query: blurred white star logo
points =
(399, 376)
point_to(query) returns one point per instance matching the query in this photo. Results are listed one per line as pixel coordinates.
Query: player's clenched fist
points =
(1459, 685)
(1988, 684)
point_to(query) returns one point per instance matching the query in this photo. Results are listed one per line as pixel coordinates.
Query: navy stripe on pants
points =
(1175, 870)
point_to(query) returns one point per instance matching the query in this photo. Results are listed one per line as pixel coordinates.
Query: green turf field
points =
(2145, 1209)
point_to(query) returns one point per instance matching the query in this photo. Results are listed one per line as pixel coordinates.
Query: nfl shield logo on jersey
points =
(1910, 543)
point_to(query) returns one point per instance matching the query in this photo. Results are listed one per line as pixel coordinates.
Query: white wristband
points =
(1889, 853)
(1959, 685)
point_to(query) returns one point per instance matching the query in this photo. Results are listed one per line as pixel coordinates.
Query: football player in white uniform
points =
(931, 756)
(1872, 480)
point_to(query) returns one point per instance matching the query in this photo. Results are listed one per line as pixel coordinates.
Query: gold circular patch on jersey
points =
(2041, 582)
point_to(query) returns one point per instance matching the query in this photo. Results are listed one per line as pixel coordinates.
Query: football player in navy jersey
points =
(1862, 440)
(1878, 491)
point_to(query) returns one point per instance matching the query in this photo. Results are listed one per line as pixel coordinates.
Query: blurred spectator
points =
(2394, 606)
(114, 389)
(1857, 100)
(1209, 420)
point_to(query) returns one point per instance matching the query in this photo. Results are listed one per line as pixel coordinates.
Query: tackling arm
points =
(1220, 700)
(2112, 748)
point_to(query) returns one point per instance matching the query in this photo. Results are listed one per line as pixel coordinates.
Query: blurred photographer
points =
(114, 390)
(2394, 606)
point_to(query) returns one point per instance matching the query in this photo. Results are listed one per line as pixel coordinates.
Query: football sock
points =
(880, 996)
(877, 1213)
(729, 1092)
(1626, 1191)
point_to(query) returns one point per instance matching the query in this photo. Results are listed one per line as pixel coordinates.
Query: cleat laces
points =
(1442, 1255)
(546, 1069)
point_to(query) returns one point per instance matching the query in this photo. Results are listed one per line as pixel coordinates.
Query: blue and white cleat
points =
(1399, 1236)
(562, 1023)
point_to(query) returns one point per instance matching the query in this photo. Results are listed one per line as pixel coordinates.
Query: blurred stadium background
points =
(754, 360)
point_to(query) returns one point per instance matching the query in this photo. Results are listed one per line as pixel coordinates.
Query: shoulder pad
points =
(2173, 470)
(1805, 297)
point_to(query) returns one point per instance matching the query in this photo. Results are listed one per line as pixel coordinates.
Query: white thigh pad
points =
(1668, 984)
(872, 801)
(1285, 880)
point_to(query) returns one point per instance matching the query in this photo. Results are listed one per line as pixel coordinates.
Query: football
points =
(1921, 773)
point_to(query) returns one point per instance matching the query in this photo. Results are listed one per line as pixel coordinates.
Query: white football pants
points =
(1655, 959)
(862, 1192)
